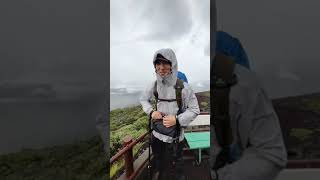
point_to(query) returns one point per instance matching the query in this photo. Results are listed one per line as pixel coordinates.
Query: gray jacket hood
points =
(171, 78)
(166, 90)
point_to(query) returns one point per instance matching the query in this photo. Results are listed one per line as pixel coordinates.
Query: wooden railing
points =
(127, 152)
(131, 173)
(297, 164)
(129, 143)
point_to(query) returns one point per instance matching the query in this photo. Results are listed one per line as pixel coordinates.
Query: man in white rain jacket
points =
(166, 67)
(255, 125)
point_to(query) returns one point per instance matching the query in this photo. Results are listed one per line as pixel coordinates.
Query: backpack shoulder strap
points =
(179, 86)
(223, 72)
(222, 78)
(155, 93)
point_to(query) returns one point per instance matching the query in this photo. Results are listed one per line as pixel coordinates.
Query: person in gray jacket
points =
(166, 67)
(256, 131)
(255, 126)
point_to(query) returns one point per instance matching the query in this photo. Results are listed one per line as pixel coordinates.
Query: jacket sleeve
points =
(266, 156)
(145, 99)
(191, 105)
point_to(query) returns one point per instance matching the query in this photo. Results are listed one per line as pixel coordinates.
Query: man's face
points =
(163, 69)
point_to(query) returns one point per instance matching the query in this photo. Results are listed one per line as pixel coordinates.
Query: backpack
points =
(229, 52)
(231, 46)
(173, 131)
(182, 76)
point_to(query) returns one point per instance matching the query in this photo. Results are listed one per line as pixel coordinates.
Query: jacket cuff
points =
(177, 120)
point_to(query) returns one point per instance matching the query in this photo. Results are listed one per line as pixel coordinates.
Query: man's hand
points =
(169, 121)
(156, 115)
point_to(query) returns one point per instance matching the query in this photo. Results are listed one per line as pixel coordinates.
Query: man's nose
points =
(161, 68)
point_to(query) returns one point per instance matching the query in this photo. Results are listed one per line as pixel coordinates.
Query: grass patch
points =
(115, 168)
(301, 134)
(81, 160)
(313, 104)
(206, 94)
(118, 167)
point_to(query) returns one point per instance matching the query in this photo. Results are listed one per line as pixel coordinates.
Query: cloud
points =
(56, 43)
(281, 45)
(151, 20)
(284, 74)
(147, 26)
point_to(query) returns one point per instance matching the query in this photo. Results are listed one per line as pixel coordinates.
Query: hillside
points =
(81, 160)
(204, 101)
(300, 122)
(299, 118)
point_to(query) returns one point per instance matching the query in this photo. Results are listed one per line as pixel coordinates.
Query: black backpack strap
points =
(168, 100)
(222, 78)
(179, 86)
(155, 93)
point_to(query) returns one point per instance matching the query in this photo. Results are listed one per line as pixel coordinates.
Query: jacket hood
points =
(170, 79)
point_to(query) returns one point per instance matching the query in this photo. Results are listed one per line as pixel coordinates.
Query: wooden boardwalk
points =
(192, 171)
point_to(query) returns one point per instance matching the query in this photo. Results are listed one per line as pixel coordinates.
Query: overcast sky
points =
(139, 28)
(281, 39)
(59, 43)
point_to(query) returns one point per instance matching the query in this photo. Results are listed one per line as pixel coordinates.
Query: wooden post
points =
(128, 156)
